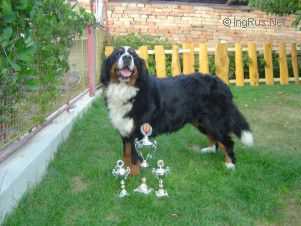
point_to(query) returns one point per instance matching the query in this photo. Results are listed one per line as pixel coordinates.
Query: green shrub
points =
(279, 7)
(237, 2)
(35, 39)
(136, 40)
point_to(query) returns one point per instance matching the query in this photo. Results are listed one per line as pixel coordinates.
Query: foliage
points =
(35, 39)
(136, 40)
(237, 2)
(279, 7)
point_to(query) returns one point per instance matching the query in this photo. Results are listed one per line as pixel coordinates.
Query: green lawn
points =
(265, 188)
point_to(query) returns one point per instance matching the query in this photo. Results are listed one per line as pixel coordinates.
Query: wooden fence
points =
(221, 59)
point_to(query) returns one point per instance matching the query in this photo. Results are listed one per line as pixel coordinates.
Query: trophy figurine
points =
(142, 146)
(160, 172)
(121, 172)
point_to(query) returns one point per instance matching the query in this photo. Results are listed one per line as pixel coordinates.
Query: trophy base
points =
(123, 193)
(143, 188)
(144, 164)
(161, 193)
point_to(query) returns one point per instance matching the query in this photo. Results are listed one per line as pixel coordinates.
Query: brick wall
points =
(197, 22)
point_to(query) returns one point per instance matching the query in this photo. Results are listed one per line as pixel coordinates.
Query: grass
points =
(264, 189)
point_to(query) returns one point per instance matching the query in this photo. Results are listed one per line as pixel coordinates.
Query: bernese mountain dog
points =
(133, 97)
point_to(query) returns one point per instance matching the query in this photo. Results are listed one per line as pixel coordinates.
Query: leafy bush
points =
(237, 2)
(35, 39)
(279, 7)
(136, 40)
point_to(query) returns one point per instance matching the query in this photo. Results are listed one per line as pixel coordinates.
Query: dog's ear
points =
(105, 72)
(142, 69)
(143, 77)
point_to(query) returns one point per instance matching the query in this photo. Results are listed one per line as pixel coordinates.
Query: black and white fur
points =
(168, 104)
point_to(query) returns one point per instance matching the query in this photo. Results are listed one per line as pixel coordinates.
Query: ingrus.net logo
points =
(250, 22)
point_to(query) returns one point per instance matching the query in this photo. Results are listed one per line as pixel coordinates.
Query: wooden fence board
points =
(203, 58)
(160, 61)
(239, 65)
(175, 61)
(295, 62)
(222, 62)
(253, 65)
(143, 53)
(108, 50)
(268, 67)
(188, 59)
(283, 64)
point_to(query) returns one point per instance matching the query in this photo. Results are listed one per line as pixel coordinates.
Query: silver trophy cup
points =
(121, 172)
(160, 172)
(145, 148)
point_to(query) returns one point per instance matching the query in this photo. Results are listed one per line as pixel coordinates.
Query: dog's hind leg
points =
(212, 144)
(221, 139)
(227, 146)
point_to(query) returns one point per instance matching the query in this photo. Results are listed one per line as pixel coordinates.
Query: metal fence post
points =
(91, 59)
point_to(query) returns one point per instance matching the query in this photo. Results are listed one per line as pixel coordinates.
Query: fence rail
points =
(189, 52)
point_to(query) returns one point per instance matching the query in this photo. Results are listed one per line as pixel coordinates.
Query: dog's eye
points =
(118, 53)
(131, 51)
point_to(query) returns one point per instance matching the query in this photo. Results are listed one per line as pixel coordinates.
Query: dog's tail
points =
(241, 128)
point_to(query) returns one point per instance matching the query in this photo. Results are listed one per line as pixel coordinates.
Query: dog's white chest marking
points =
(118, 96)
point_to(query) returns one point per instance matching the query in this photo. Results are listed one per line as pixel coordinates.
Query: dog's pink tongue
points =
(125, 73)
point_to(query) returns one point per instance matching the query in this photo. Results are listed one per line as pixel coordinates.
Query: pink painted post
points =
(91, 51)
(105, 4)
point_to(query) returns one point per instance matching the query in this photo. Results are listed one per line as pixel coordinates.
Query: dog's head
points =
(123, 66)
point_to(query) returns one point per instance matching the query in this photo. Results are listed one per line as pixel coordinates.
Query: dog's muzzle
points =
(125, 66)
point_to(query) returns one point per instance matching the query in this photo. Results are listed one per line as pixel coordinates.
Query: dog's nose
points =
(127, 60)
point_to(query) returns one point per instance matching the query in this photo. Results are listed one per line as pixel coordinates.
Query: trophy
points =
(121, 172)
(142, 146)
(160, 172)
(145, 144)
